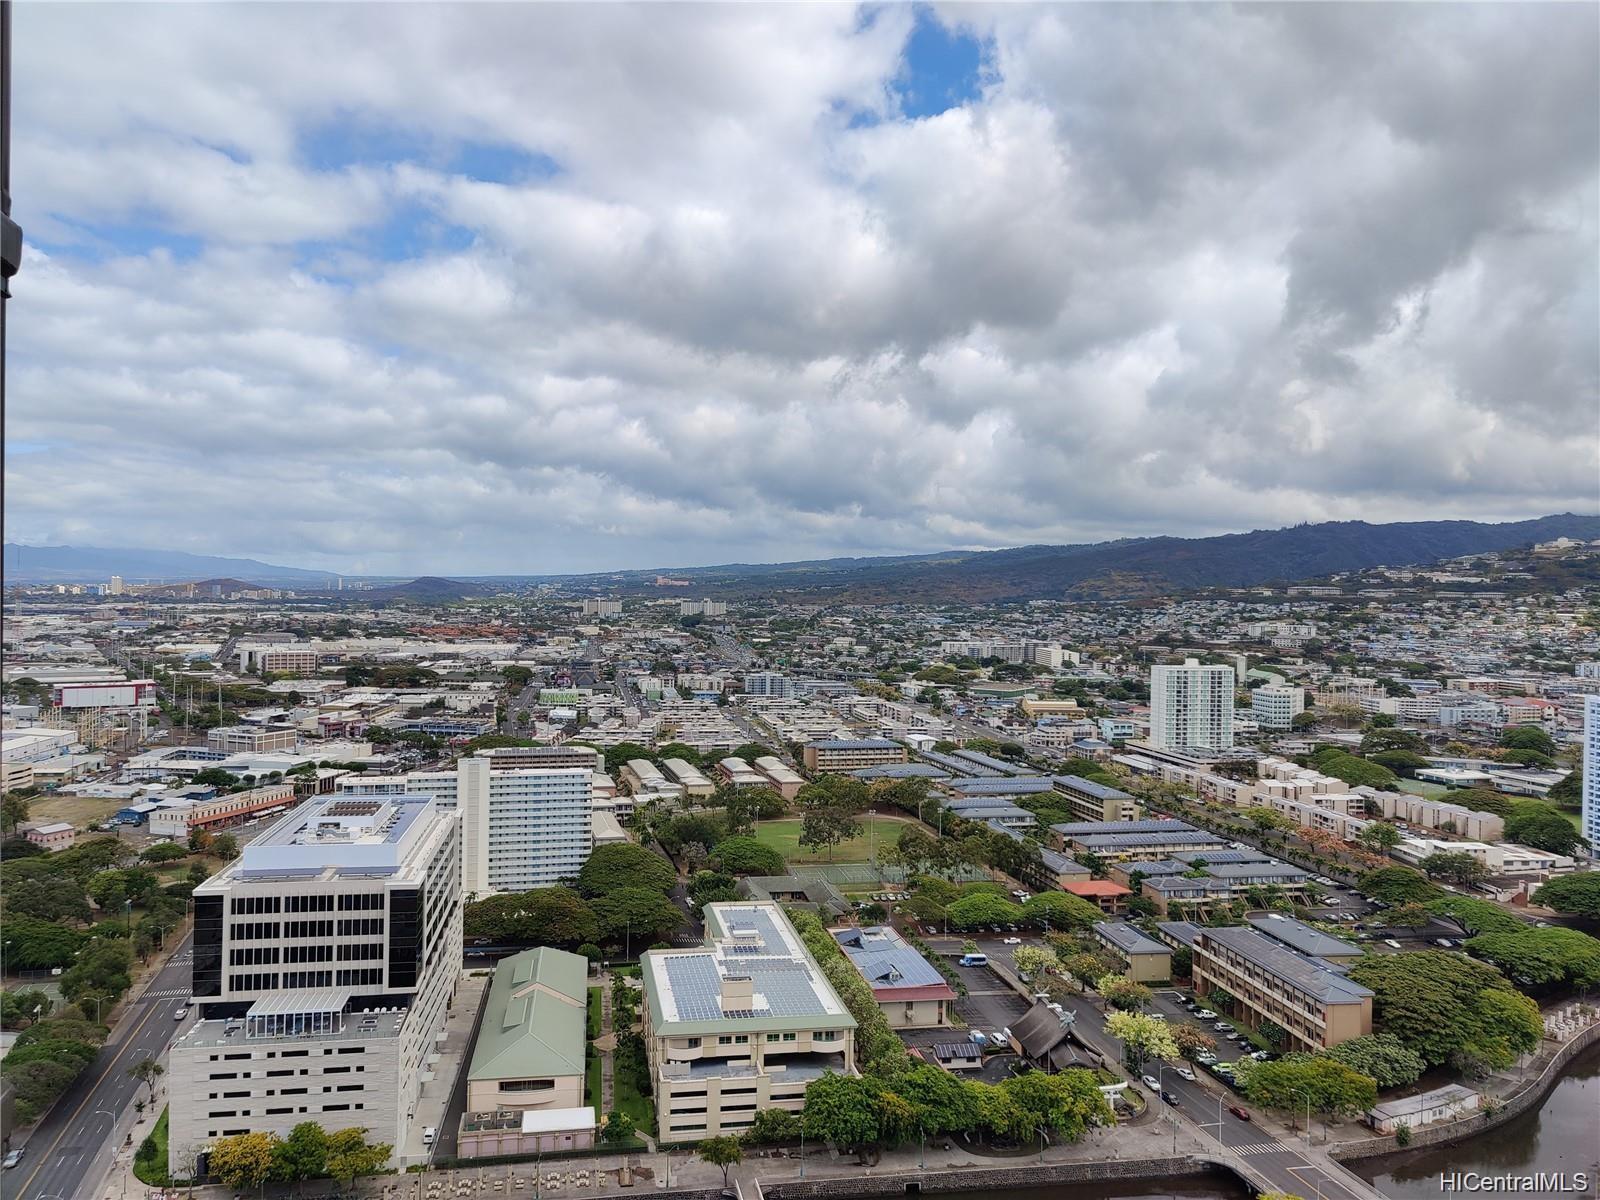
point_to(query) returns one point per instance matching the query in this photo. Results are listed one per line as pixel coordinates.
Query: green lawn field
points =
(784, 837)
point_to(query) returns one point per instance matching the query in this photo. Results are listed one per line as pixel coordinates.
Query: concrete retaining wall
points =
(1530, 1095)
(983, 1179)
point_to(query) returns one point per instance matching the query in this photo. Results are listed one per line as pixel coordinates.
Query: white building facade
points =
(1276, 706)
(325, 959)
(1191, 706)
(1591, 770)
(525, 828)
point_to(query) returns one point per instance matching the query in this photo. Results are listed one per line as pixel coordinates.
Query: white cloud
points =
(1174, 270)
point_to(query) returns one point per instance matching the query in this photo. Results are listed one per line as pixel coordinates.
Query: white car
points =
(1205, 1014)
(1012, 941)
(1150, 1082)
(1391, 943)
(1186, 1074)
(13, 1159)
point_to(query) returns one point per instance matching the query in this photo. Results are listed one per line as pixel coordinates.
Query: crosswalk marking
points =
(168, 994)
(1258, 1148)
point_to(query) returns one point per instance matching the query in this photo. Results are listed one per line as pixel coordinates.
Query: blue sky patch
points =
(942, 67)
(351, 141)
(100, 241)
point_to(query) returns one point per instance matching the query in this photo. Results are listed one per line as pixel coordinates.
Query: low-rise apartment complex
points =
(1314, 1003)
(839, 755)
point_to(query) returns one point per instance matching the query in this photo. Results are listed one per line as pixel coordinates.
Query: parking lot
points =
(989, 1004)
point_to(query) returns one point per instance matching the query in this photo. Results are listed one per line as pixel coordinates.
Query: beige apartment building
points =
(838, 755)
(741, 1024)
(1315, 1004)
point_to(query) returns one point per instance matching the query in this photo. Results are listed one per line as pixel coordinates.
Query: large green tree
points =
(983, 909)
(1543, 828)
(1454, 866)
(1447, 1008)
(1541, 956)
(1577, 895)
(625, 866)
(1288, 1084)
(1059, 910)
(747, 856)
(1381, 1056)
(552, 916)
(637, 915)
(1398, 885)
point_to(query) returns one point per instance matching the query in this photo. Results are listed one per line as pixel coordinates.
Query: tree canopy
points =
(1398, 885)
(625, 865)
(1541, 956)
(1449, 1008)
(1382, 1056)
(1576, 895)
(747, 856)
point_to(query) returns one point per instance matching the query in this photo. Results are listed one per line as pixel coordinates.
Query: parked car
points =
(1222, 1027)
(1391, 943)
(1261, 1055)
(1013, 941)
(1150, 1082)
(1443, 943)
(1205, 1058)
(1242, 1113)
(1185, 1073)
(1205, 1014)
(13, 1159)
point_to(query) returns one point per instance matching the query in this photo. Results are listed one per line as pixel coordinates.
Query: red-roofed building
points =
(1111, 897)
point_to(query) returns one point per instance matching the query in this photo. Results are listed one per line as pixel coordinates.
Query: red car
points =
(1242, 1113)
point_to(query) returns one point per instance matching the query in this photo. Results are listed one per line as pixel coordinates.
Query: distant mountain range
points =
(1124, 569)
(1129, 568)
(95, 564)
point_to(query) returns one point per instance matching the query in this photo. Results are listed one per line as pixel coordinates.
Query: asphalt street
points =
(1203, 1103)
(70, 1150)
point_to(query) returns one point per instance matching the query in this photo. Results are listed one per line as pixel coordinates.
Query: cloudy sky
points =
(543, 287)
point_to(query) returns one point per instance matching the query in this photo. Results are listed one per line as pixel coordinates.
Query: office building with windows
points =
(521, 829)
(325, 958)
(1191, 706)
(740, 1024)
(1275, 706)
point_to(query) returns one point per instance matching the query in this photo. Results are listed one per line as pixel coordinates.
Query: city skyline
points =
(578, 288)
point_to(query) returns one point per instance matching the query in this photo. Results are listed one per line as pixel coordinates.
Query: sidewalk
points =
(651, 1171)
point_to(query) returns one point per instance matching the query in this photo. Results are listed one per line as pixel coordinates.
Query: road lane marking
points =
(127, 1043)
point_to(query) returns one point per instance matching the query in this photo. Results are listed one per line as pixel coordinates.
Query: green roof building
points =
(530, 1048)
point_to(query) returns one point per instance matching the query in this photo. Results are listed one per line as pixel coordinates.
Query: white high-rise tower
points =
(1191, 706)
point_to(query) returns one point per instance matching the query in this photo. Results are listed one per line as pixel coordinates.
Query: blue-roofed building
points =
(1030, 786)
(999, 765)
(908, 988)
(910, 770)
(1094, 801)
(992, 808)
(1300, 937)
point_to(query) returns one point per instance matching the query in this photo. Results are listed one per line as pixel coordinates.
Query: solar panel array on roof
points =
(696, 987)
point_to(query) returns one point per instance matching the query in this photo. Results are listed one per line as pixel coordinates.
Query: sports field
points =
(876, 830)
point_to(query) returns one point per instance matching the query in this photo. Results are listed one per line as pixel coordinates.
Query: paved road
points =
(69, 1150)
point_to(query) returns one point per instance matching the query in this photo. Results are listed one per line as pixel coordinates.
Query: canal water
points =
(1202, 1187)
(1562, 1135)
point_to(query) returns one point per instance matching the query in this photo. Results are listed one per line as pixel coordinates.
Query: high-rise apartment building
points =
(769, 684)
(602, 608)
(325, 958)
(1591, 771)
(1275, 706)
(1191, 706)
(525, 828)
